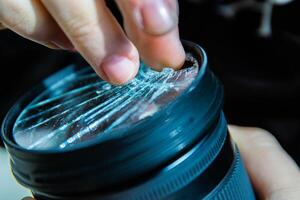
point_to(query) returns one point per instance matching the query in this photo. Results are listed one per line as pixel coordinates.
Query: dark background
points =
(261, 75)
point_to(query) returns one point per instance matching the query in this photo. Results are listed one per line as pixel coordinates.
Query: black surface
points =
(261, 75)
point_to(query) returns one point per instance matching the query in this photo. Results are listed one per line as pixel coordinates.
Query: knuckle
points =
(80, 28)
(16, 18)
(29, 29)
(21, 24)
(20, 18)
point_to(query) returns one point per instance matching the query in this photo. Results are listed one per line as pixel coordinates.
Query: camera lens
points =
(161, 136)
(81, 106)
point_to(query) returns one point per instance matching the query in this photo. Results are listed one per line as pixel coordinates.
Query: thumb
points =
(275, 176)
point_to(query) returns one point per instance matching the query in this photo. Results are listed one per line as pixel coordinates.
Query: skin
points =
(151, 33)
(89, 27)
(273, 173)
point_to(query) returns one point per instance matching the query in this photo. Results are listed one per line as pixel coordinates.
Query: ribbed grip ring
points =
(236, 185)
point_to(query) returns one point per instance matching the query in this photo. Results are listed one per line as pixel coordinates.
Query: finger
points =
(31, 20)
(97, 36)
(272, 171)
(155, 17)
(152, 27)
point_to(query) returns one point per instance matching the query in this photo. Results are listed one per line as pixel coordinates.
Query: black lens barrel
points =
(182, 147)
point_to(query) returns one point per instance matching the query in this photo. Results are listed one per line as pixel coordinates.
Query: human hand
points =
(89, 27)
(273, 173)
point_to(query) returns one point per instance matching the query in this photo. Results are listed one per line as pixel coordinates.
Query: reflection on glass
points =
(81, 106)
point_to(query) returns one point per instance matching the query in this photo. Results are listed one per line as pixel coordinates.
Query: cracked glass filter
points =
(81, 106)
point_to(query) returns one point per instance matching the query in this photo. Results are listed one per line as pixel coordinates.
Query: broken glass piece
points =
(81, 106)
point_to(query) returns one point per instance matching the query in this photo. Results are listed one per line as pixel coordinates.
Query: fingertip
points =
(118, 69)
(252, 136)
(269, 166)
(237, 132)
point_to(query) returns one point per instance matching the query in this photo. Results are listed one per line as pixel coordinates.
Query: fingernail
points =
(158, 17)
(118, 69)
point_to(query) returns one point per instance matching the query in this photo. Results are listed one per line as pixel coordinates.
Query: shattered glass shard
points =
(81, 106)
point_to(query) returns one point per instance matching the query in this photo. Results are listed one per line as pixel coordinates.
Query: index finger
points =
(153, 27)
(97, 36)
